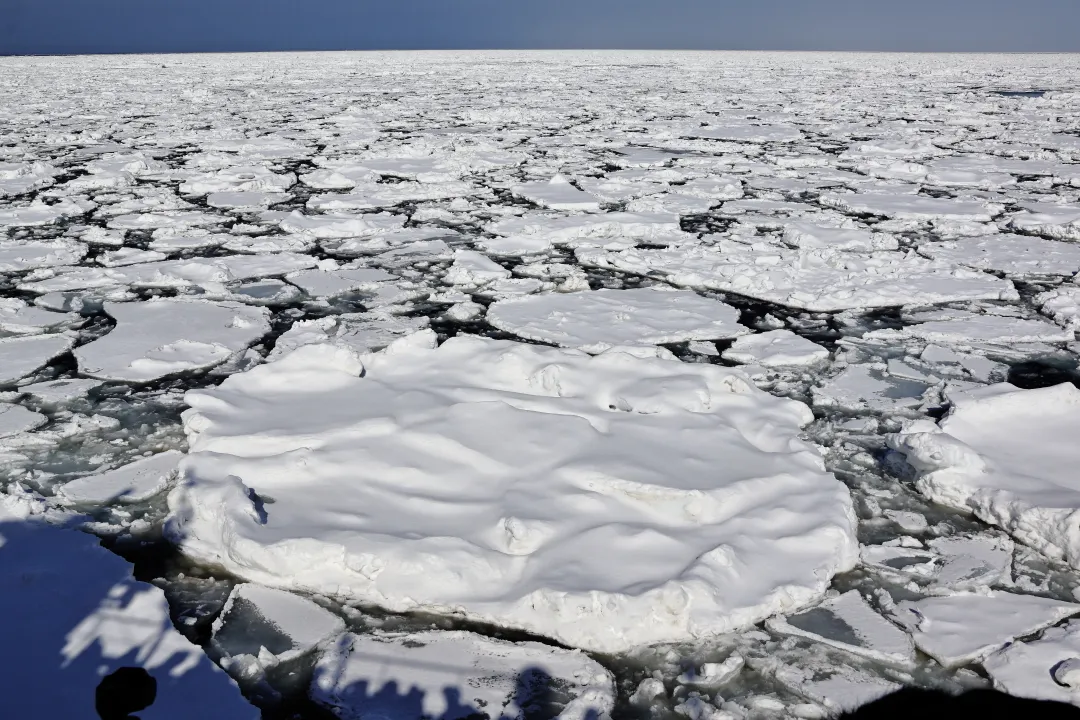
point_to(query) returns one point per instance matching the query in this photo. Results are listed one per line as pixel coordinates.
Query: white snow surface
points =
(598, 320)
(21, 356)
(531, 487)
(1005, 454)
(815, 280)
(166, 336)
(456, 675)
(967, 627)
(775, 348)
(136, 481)
(1033, 669)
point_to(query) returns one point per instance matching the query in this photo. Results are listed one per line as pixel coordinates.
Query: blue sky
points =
(77, 26)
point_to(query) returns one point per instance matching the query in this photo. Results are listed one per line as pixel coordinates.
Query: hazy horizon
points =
(60, 27)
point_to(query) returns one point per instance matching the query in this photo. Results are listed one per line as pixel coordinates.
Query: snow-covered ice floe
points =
(458, 675)
(809, 280)
(1044, 669)
(607, 502)
(170, 335)
(595, 321)
(1006, 455)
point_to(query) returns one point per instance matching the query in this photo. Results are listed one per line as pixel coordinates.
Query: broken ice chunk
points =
(1006, 455)
(458, 675)
(134, 482)
(161, 337)
(15, 419)
(776, 348)
(861, 388)
(473, 269)
(557, 194)
(21, 356)
(1044, 669)
(965, 628)
(849, 623)
(261, 628)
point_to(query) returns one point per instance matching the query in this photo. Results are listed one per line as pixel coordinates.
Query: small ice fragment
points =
(134, 482)
(776, 348)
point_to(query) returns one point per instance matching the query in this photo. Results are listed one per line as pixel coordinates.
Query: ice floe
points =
(595, 321)
(457, 675)
(170, 335)
(1005, 455)
(775, 348)
(495, 543)
(134, 482)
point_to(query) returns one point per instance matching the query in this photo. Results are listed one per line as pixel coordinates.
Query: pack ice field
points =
(532, 385)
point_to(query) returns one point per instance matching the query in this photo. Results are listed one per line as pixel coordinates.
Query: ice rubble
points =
(1006, 455)
(504, 482)
(260, 628)
(595, 321)
(165, 336)
(456, 675)
(97, 619)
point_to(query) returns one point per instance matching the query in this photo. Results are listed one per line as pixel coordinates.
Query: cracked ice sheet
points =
(518, 432)
(595, 321)
(1006, 455)
(165, 336)
(457, 675)
(808, 280)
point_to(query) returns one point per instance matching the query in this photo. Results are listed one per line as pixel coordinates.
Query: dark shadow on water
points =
(919, 704)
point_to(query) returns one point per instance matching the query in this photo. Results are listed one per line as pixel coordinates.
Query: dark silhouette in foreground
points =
(918, 704)
(126, 691)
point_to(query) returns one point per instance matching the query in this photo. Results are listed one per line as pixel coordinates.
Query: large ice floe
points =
(595, 321)
(606, 502)
(1006, 455)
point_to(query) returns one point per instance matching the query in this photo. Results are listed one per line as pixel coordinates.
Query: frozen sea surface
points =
(656, 385)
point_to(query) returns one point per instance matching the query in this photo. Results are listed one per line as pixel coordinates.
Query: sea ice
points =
(1018, 256)
(21, 356)
(1005, 455)
(15, 419)
(327, 283)
(849, 623)
(594, 321)
(967, 329)
(165, 336)
(1044, 669)
(965, 628)
(912, 207)
(260, 628)
(133, 482)
(21, 255)
(20, 318)
(458, 675)
(557, 194)
(775, 348)
(814, 280)
(505, 482)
